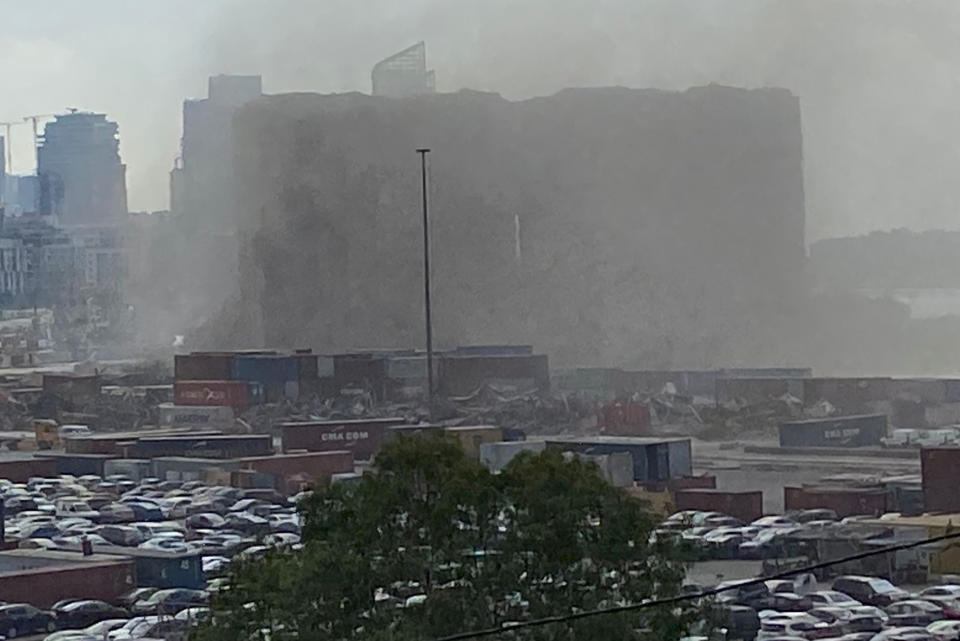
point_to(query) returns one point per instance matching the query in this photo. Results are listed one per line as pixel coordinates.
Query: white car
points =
(821, 598)
(944, 630)
(774, 522)
(790, 624)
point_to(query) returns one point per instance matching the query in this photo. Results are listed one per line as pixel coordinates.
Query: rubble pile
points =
(529, 412)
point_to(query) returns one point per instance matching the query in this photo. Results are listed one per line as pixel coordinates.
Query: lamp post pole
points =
(426, 279)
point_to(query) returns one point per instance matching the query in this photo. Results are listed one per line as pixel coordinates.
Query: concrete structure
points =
(201, 182)
(78, 162)
(404, 74)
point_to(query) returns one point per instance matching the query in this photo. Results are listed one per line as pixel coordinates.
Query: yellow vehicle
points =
(48, 435)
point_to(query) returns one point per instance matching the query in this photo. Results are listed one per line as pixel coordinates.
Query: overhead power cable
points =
(566, 618)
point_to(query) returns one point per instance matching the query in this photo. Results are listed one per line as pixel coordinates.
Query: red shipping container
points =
(746, 506)
(843, 501)
(624, 419)
(940, 469)
(234, 394)
(313, 465)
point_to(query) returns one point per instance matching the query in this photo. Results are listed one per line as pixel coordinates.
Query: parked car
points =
(117, 513)
(138, 594)
(18, 619)
(171, 601)
(79, 614)
(944, 630)
(153, 627)
(870, 590)
(754, 595)
(208, 520)
(832, 597)
(913, 612)
(795, 624)
(121, 535)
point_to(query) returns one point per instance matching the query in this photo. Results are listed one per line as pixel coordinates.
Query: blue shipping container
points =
(265, 369)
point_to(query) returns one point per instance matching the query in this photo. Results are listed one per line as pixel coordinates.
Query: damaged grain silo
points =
(604, 225)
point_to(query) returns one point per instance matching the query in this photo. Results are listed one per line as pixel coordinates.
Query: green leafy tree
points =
(433, 544)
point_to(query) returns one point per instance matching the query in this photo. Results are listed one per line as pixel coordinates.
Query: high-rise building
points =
(404, 74)
(81, 175)
(201, 180)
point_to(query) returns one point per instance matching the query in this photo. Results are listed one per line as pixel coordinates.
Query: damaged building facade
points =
(552, 217)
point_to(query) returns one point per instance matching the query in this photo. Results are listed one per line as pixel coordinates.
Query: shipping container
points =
(203, 366)
(940, 471)
(119, 443)
(683, 483)
(845, 501)
(925, 390)
(363, 437)
(161, 569)
(43, 577)
(325, 367)
(182, 468)
(463, 375)
(267, 370)
(952, 390)
(496, 456)
(839, 431)
(624, 418)
(72, 388)
(77, 464)
(850, 395)
(217, 446)
(312, 465)
(615, 468)
(757, 390)
(236, 394)
(19, 470)
(307, 366)
(746, 506)
(136, 469)
(216, 417)
(654, 459)
(494, 350)
(471, 437)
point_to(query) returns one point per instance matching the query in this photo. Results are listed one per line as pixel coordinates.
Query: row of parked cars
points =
(181, 517)
(171, 610)
(107, 514)
(720, 536)
(848, 608)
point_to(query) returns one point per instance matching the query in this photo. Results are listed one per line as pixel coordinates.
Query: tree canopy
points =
(432, 544)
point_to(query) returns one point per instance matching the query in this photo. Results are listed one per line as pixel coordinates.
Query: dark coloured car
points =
(80, 614)
(171, 601)
(144, 511)
(870, 590)
(248, 523)
(753, 595)
(19, 619)
(124, 535)
(741, 622)
(117, 513)
(139, 594)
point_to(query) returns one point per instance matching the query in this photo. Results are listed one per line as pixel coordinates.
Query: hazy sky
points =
(879, 80)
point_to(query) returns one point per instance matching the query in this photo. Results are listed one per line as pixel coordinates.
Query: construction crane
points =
(6, 140)
(34, 119)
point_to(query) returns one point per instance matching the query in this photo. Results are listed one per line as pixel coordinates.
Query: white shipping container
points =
(194, 416)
